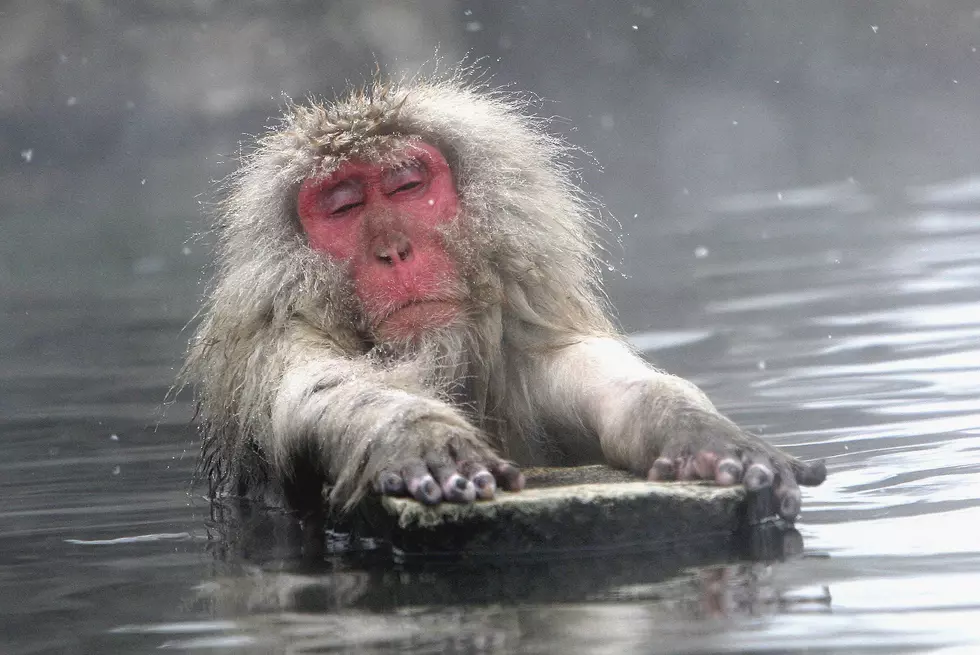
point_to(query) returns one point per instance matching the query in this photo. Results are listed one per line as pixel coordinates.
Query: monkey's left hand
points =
(663, 427)
(704, 445)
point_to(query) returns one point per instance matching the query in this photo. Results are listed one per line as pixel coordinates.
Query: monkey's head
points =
(403, 209)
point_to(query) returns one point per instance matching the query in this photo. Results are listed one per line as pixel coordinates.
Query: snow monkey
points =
(407, 302)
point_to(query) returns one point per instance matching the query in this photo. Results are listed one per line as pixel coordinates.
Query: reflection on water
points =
(834, 328)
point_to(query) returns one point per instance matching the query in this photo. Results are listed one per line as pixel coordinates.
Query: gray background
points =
(117, 117)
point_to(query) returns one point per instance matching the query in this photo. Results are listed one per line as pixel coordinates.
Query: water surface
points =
(832, 324)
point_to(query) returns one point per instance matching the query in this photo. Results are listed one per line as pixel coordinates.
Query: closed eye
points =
(343, 209)
(408, 186)
(407, 177)
(342, 198)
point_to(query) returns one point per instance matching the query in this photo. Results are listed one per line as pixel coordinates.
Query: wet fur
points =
(292, 390)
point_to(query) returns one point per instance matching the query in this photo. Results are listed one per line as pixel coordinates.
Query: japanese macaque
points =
(407, 302)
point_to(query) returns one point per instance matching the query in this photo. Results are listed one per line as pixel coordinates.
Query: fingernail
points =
(757, 477)
(484, 484)
(460, 490)
(392, 484)
(426, 491)
(729, 473)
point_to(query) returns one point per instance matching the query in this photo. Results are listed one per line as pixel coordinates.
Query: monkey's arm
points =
(366, 427)
(662, 426)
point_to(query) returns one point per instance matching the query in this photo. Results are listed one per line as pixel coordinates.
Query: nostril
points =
(393, 249)
(404, 251)
(382, 253)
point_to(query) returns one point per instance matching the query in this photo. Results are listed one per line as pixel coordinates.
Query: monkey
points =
(407, 301)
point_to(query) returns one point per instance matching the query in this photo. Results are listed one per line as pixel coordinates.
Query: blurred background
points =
(117, 117)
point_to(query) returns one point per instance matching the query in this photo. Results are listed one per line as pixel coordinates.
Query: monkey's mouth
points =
(414, 318)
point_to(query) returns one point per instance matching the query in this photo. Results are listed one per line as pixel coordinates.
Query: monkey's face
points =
(387, 219)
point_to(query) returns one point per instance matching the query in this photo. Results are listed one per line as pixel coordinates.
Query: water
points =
(837, 327)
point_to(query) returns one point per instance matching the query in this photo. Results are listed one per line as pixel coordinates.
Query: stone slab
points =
(586, 508)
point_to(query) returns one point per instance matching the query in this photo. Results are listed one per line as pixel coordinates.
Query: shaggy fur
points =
(287, 375)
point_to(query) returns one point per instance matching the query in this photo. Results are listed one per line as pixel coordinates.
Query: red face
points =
(385, 219)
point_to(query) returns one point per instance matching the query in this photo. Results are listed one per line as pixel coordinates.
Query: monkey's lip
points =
(418, 316)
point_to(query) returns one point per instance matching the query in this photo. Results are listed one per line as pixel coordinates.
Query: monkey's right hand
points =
(445, 463)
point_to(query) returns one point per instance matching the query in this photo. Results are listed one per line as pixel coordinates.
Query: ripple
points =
(662, 340)
(139, 539)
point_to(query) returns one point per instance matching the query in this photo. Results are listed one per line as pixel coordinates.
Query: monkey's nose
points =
(393, 250)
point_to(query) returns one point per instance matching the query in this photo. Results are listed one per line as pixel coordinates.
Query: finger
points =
(704, 464)
(482, 479)
(455, 488)
(420, 484)
(485, 484)
(508, 476)
(789, 499)
(390, 483)
(663, 470)
(728, 471)
(758, 474)
(686, 469)
(810, 474)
